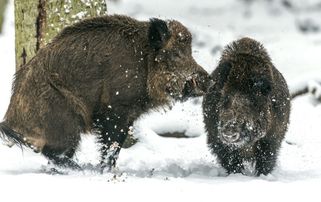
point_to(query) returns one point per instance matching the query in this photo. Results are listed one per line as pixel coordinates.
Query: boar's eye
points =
(175, 55)
(261, 85)
(161, 56)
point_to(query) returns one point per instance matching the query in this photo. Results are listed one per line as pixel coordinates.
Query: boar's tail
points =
(10, 137)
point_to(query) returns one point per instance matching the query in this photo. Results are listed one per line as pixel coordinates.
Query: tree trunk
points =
(3, 4)
(38, 21)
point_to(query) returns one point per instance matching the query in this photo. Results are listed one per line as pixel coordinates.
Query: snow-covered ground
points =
(158, 168)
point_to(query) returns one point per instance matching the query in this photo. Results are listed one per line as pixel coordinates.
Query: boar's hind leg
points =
(266, 155)
(59, 158)
(112, 129)
(62, 128)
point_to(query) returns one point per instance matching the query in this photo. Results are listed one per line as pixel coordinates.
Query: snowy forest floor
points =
(159, 168)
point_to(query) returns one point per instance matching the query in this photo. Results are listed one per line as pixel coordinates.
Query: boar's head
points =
(245, 102)
(173, 71)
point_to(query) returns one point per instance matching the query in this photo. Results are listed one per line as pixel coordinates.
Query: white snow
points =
(159, 169)
(80, 15)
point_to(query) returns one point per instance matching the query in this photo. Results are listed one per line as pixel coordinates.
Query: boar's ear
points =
(222, 72)
(158, 33)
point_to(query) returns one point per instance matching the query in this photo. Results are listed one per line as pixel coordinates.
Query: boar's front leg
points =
(112, 129)
(230, 160)
(266, 156)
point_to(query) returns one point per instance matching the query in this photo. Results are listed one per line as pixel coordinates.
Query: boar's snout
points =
(230, 131)
(239, 132)
(197, 84)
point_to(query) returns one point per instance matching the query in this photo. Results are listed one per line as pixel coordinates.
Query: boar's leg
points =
(112, 129)
(230, 160)
(61, 128)
(63, 159)
(266, 155)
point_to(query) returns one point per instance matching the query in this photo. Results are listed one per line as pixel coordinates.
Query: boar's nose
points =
(231, 137)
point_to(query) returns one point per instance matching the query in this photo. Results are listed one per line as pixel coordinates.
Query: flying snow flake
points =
(131, 130)
(117, 92)
(115, 145)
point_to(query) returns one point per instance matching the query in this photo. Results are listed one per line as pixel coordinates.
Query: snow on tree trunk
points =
(3, 4)
(38, 21)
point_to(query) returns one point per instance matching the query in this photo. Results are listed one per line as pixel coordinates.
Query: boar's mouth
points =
(191, 89)
(195, 87)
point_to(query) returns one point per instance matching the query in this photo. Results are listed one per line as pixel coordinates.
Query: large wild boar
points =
(246, 111)
(98, 76)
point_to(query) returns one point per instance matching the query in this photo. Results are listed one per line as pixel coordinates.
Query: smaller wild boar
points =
(246, 111)
(99, 76)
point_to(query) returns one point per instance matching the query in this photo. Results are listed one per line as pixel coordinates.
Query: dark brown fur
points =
(99, 75)
(246, 111)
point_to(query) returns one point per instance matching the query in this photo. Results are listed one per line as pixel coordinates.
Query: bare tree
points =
(3, 4)
(38, 21)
